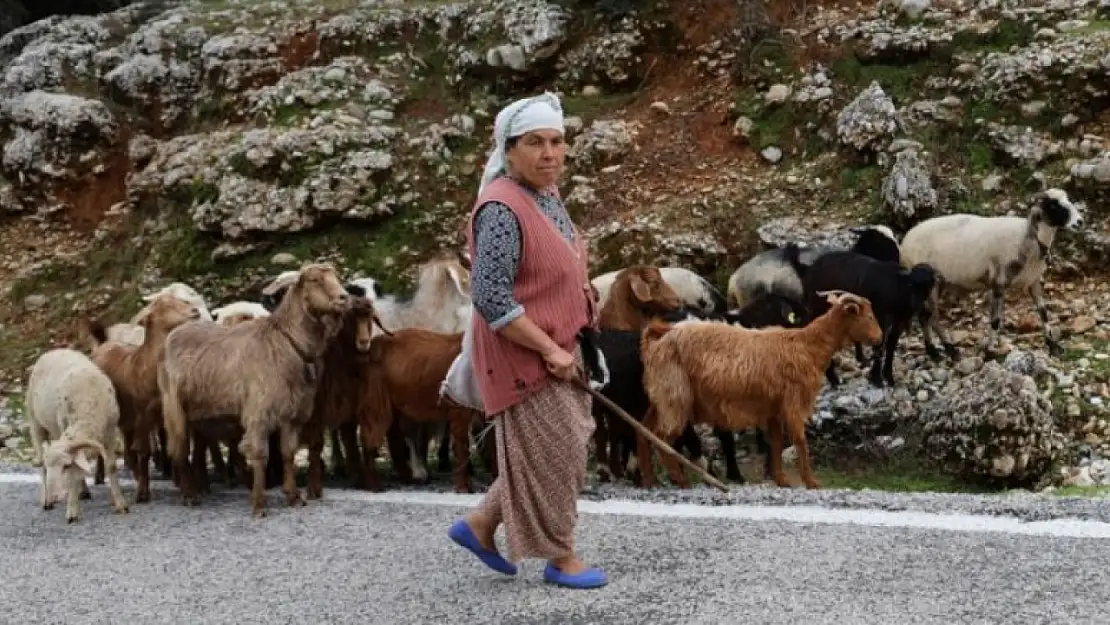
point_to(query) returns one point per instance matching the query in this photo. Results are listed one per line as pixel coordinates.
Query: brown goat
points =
(735, 378)
(402, 383)
(336, 404)
(133, 371)
(638, 293)
(261, 374)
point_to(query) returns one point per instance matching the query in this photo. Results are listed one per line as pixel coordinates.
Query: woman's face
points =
(538, 157)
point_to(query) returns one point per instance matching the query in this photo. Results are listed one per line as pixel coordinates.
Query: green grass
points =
(1094, 492)
(590, 108)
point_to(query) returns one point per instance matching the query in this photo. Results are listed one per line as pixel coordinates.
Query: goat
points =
(133, 371)
(71, 404)
(263, 373)
(338, 396)
(896, 296)
(441, 303)
(975, 253)
(771, 271)
(402, 389)
(697, 293)
(736, 378)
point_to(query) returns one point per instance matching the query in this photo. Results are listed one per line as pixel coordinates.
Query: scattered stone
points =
(771, 153)
(868, 120)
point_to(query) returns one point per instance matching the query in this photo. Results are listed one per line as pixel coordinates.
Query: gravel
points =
(347, 561)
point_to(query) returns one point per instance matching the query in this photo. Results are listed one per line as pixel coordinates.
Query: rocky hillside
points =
(219, 141)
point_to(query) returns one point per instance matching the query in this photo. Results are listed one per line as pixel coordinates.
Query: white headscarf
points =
(543, 111)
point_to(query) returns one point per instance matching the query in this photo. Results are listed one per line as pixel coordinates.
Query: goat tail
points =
(92, 331)
(654, 331)
(173, 417)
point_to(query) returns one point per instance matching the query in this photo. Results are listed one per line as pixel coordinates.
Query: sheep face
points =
(651, 291)
(322, 291)
(862, 326)
(167, 312)
(66, 469)
(181, 291)
(1059, 212)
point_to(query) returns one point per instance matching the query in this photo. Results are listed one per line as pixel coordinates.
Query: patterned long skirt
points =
(542, 447)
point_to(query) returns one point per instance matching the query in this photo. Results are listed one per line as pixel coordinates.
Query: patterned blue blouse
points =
(497, 244)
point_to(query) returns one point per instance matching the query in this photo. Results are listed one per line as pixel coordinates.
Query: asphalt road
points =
(356, 558)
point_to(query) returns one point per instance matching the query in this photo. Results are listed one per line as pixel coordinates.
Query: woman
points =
(531, 289)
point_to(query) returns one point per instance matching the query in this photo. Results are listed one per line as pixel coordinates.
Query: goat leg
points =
(99, 478)
(217, 455)
(728, 450)
(352, 458)
(370, 460)
(797, 426)
(1036, 291)
(459, 425)
(774, 432)
(255, 447)
(289, 469)
(338, 462)
(315, 487)
(605, 471)
(891, 345)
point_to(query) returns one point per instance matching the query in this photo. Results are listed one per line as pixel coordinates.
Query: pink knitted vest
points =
(553, 286)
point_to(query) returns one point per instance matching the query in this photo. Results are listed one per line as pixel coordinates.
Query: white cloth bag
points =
(461, 385)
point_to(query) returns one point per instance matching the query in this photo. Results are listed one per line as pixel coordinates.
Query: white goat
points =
(697, 292)
(71, 404)
(976, 253)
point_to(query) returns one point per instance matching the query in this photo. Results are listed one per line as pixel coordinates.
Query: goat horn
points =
(833, 296)
(73, 446)
(381, 326)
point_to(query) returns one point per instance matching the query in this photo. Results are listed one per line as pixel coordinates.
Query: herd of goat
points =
(319, 355)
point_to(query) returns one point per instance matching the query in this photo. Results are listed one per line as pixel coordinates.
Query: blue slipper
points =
(590, 578)
(462, 535)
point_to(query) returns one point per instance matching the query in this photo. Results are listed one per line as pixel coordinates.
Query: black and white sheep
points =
(697, 293)
(771, 271)
(896, 296)
(974, 253)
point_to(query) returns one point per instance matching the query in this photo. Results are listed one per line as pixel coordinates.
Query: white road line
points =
(1062, 528)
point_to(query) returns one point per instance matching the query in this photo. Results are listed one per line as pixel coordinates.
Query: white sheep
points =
(71, 404)
(132, 333)
(975, 253)
(239, 311)
(695, 291)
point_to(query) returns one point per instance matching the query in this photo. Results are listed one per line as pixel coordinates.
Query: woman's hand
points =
(560, 363)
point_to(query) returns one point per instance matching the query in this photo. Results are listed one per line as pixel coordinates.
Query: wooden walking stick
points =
(646, 433)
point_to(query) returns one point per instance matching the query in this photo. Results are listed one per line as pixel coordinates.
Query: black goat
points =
(896, 296)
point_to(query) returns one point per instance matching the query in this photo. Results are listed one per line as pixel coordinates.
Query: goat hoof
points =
(294, 499)
(142, 497)
(71, 519)
(47, 506)
(122, 509)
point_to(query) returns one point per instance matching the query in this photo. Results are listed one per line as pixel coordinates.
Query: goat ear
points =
(851, 307)
(464, 259)
(455, 279)
(640, 288)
